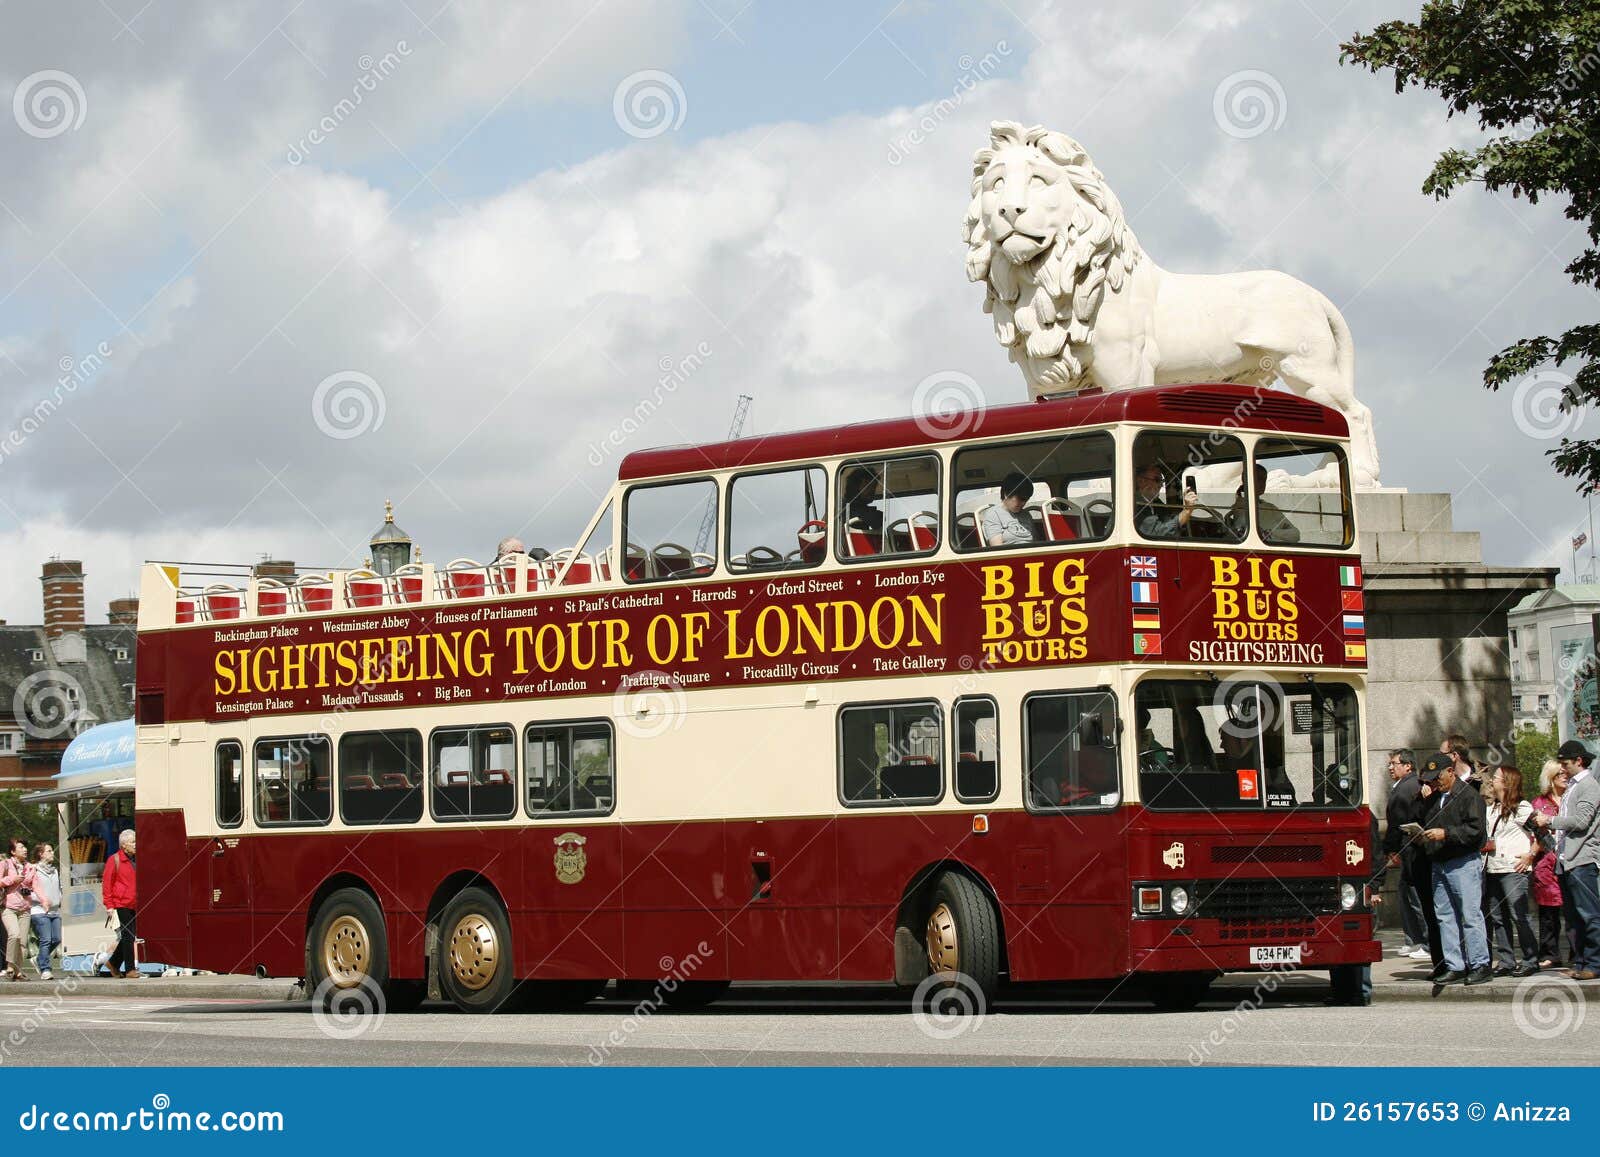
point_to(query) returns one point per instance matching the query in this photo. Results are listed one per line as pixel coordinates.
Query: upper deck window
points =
(1188, 486)
(1302, 493)
(889, 507)
(661, 527)
(1028, 493)
(776, 519)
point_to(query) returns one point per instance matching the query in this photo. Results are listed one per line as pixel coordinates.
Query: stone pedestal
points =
(1436, 630)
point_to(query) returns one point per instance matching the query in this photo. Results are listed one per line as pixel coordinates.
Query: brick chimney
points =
(63, 597)
(124, 612)
(281, 569)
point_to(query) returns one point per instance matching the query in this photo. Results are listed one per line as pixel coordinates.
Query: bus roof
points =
(1248, 407)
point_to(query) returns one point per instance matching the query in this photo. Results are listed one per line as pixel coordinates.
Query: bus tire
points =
(962, 934)
(348, 950)
(473, 953)
(1180, 991)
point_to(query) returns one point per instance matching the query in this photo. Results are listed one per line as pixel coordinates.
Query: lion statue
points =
(1078, 303)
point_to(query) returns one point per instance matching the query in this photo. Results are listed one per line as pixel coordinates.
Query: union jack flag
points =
(1142, 565)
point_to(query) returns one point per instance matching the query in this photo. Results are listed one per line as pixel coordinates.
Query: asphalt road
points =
(804, 1027)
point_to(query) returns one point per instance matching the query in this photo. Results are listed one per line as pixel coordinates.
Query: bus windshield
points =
(1247, 745)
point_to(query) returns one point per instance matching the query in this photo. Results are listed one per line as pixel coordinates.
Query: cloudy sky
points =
(264, 265)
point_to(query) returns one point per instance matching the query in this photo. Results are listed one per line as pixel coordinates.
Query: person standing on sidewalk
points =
(1546, 884)
(1405, 804)
(1454, 834)
(119, 893)
(16, 878)
(1508, 868)
(1578, 856)
(46, 911)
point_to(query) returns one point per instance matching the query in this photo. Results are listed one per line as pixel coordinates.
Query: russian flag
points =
(1355, 625)
(1146, 593)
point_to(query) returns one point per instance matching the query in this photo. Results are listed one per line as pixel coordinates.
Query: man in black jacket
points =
(1453, 835)
(1415, 893)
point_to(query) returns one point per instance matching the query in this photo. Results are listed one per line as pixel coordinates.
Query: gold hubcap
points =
(346, 952)
(474, 952)
(943, 948)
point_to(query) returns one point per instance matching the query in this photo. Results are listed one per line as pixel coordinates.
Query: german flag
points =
(1147, 619)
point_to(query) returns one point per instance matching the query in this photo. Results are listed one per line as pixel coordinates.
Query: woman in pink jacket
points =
(16, 880)
(1546, 887)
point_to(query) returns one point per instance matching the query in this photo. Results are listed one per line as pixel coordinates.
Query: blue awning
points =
(108, 747)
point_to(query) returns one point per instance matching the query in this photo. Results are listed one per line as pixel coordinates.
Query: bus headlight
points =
(1178, 899)
(1348, 896)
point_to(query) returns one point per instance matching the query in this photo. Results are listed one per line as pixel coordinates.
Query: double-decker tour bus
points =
(1057, 691)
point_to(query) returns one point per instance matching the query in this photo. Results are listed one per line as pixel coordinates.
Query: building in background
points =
(1551, 635)
(61, 677)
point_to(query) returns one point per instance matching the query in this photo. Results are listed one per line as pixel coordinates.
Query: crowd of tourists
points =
(1479, 853)
(32, 891)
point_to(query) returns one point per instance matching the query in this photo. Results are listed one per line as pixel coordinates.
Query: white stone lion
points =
(1078, 303)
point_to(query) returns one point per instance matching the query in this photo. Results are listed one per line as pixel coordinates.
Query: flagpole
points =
(1591, 533)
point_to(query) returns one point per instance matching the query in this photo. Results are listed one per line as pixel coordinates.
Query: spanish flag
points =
(1355, 652)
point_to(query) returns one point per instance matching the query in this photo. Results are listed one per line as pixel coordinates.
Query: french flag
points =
(1146, 593)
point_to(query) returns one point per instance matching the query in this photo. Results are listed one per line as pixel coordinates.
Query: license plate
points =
(1276, 954)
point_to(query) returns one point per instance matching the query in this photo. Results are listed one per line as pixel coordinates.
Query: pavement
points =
(1394, 978)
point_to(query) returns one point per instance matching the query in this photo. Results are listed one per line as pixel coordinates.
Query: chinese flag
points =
(1352, 600)
(1249, 783)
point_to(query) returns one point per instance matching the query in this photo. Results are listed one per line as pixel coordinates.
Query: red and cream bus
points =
(856, 737)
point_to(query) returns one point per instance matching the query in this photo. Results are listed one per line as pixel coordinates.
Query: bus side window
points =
(474, 773)
(890, 754)
(1071, 750)
(661, 529)
(977, 746)
(230, 783)
(380, 777)
(888, 507)
(294, 783)
(571, 770)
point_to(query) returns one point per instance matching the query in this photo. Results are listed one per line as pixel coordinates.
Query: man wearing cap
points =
(1578, 856)
(1004, 525)
(1453, 835)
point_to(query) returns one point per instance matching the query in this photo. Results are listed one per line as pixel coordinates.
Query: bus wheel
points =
(1180, 991)
(474, 952)
(963, 933)
(348, 951)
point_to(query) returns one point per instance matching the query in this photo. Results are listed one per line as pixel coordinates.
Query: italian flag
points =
(1349, 576)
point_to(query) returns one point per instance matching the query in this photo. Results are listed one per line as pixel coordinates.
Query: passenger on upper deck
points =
(862, 487)
(1003, 524)
(511, 544)
(1274, 524)
(1152, 517)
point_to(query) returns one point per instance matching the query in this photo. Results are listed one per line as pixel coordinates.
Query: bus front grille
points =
(1266, 898)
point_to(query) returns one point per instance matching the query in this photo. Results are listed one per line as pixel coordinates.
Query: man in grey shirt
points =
(1578, 855)
(1005, 524)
